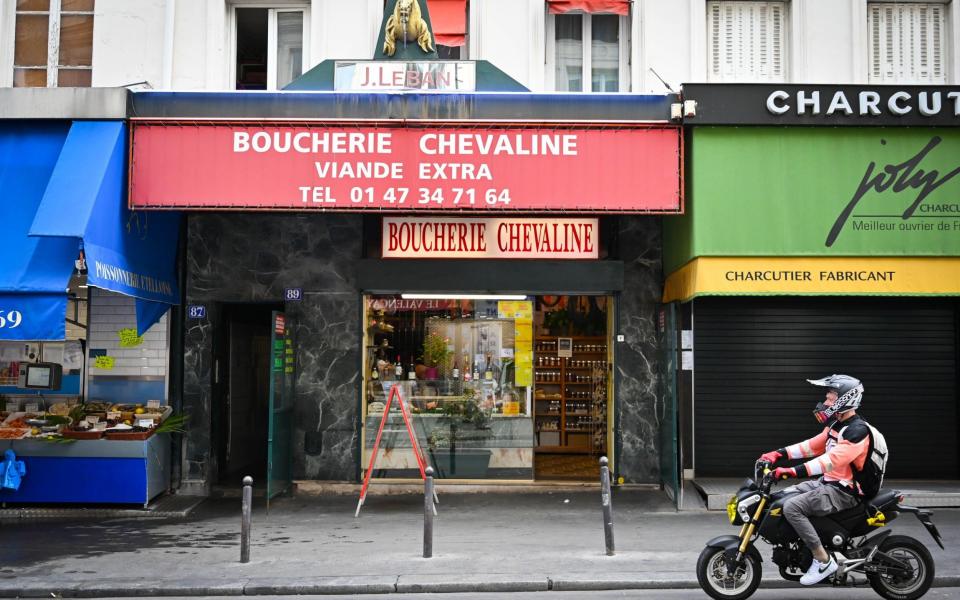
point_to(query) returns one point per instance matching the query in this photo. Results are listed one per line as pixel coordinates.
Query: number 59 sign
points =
(10, 319)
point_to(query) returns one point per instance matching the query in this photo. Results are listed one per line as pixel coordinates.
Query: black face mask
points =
(824, 414)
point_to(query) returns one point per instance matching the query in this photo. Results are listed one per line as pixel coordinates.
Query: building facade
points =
(187, 45)
(238, 264)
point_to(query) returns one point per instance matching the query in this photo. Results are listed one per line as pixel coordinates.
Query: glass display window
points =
(465, 370)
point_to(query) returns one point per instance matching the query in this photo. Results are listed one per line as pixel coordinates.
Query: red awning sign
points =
(412, 169)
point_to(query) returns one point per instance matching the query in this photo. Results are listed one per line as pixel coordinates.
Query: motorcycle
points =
(897, 567)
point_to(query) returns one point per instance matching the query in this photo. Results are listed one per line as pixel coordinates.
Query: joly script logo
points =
(898, 178)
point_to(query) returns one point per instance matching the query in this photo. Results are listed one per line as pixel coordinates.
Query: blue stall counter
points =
(91, 471)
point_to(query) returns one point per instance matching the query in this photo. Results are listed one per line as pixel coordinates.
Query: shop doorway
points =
(572, 386)
(241, 391)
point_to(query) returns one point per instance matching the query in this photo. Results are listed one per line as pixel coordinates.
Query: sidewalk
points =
(506, 542)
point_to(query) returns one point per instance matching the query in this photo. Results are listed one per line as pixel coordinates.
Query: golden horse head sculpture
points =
(406, 24)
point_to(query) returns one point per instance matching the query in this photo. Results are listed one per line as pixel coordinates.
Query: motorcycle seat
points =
(882, 498)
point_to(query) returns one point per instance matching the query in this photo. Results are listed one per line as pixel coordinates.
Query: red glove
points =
(784, 472)
(771, 457)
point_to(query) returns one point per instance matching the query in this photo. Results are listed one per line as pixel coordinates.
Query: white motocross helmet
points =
(849, 394)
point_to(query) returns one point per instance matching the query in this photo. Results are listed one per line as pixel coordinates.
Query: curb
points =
(367, 585)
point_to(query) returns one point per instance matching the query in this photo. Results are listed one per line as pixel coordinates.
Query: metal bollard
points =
(245, 519)
(607, 501)
(428, 511)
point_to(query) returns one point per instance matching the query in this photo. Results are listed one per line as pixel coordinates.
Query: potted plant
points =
(435, 354)
(556, 322)
(451, 444)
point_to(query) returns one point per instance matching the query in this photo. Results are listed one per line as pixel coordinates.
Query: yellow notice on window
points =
(129, 338)
(515, 309)
(104, 362)
(521, 311)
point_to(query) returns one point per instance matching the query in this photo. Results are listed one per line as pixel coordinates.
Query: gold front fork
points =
(748, 533)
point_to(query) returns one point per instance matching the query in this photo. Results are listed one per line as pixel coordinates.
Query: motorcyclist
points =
(842, 446)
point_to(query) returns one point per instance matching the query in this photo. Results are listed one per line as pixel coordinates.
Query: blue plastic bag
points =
(11, 471)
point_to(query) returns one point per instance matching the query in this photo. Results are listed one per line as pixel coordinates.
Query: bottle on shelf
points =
(488, 370)
(412, 373)
(456, 371)
(476, 372)
(398, 369)
(375, 373)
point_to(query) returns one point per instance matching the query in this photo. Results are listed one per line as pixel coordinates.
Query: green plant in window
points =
(556, 321)
(435, 351)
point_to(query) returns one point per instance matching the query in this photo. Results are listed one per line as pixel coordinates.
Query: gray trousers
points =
(816, 499)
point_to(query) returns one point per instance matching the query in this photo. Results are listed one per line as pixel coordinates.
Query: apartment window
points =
(450, 25)
(588, 52)
(906, 42)
(269, 48)
(746, 41)
(53, 43)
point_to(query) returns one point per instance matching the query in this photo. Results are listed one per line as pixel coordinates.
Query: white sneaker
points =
(819, 571)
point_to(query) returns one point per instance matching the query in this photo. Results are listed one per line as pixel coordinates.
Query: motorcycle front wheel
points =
(715, 581)
(898, 587)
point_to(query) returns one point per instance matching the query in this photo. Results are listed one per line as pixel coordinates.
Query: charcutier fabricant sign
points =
(363, 167)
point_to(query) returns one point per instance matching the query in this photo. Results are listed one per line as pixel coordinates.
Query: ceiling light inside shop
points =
(456, 296)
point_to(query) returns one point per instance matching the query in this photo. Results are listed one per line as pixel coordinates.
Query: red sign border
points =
(409, 123)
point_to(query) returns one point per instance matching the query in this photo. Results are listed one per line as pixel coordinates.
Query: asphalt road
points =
(798, 594)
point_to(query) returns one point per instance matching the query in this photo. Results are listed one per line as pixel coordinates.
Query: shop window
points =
(746, 41)
(498, 387)
(53, 43)
(907, 42)
(269, 46)
(588, 52)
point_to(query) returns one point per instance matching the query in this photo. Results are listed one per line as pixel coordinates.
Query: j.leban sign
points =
(365, 167)
(441, 237)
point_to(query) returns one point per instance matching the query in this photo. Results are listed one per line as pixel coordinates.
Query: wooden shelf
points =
(573, 438)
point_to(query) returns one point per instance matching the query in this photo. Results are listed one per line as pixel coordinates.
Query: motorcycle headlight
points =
(732, 510)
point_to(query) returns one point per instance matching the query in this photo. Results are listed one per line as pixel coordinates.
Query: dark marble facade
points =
(243, 257)
(637, 357)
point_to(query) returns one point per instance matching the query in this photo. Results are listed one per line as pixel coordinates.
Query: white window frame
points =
(272, 10)
(946, 43)
(586, 82)
(8, 25)
(785, 49)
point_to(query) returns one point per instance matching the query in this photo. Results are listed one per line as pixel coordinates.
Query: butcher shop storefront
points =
(500, 269)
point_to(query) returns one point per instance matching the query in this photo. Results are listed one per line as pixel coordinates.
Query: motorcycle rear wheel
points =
(915, 554)
(713, 578)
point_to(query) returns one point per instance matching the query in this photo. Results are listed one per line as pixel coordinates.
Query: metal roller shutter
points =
(752, 356)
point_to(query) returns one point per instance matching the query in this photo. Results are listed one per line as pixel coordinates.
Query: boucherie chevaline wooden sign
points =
(501, 237)
(394, 168)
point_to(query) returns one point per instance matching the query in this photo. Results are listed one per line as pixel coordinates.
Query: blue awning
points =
(70, 183)
(35, 271)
